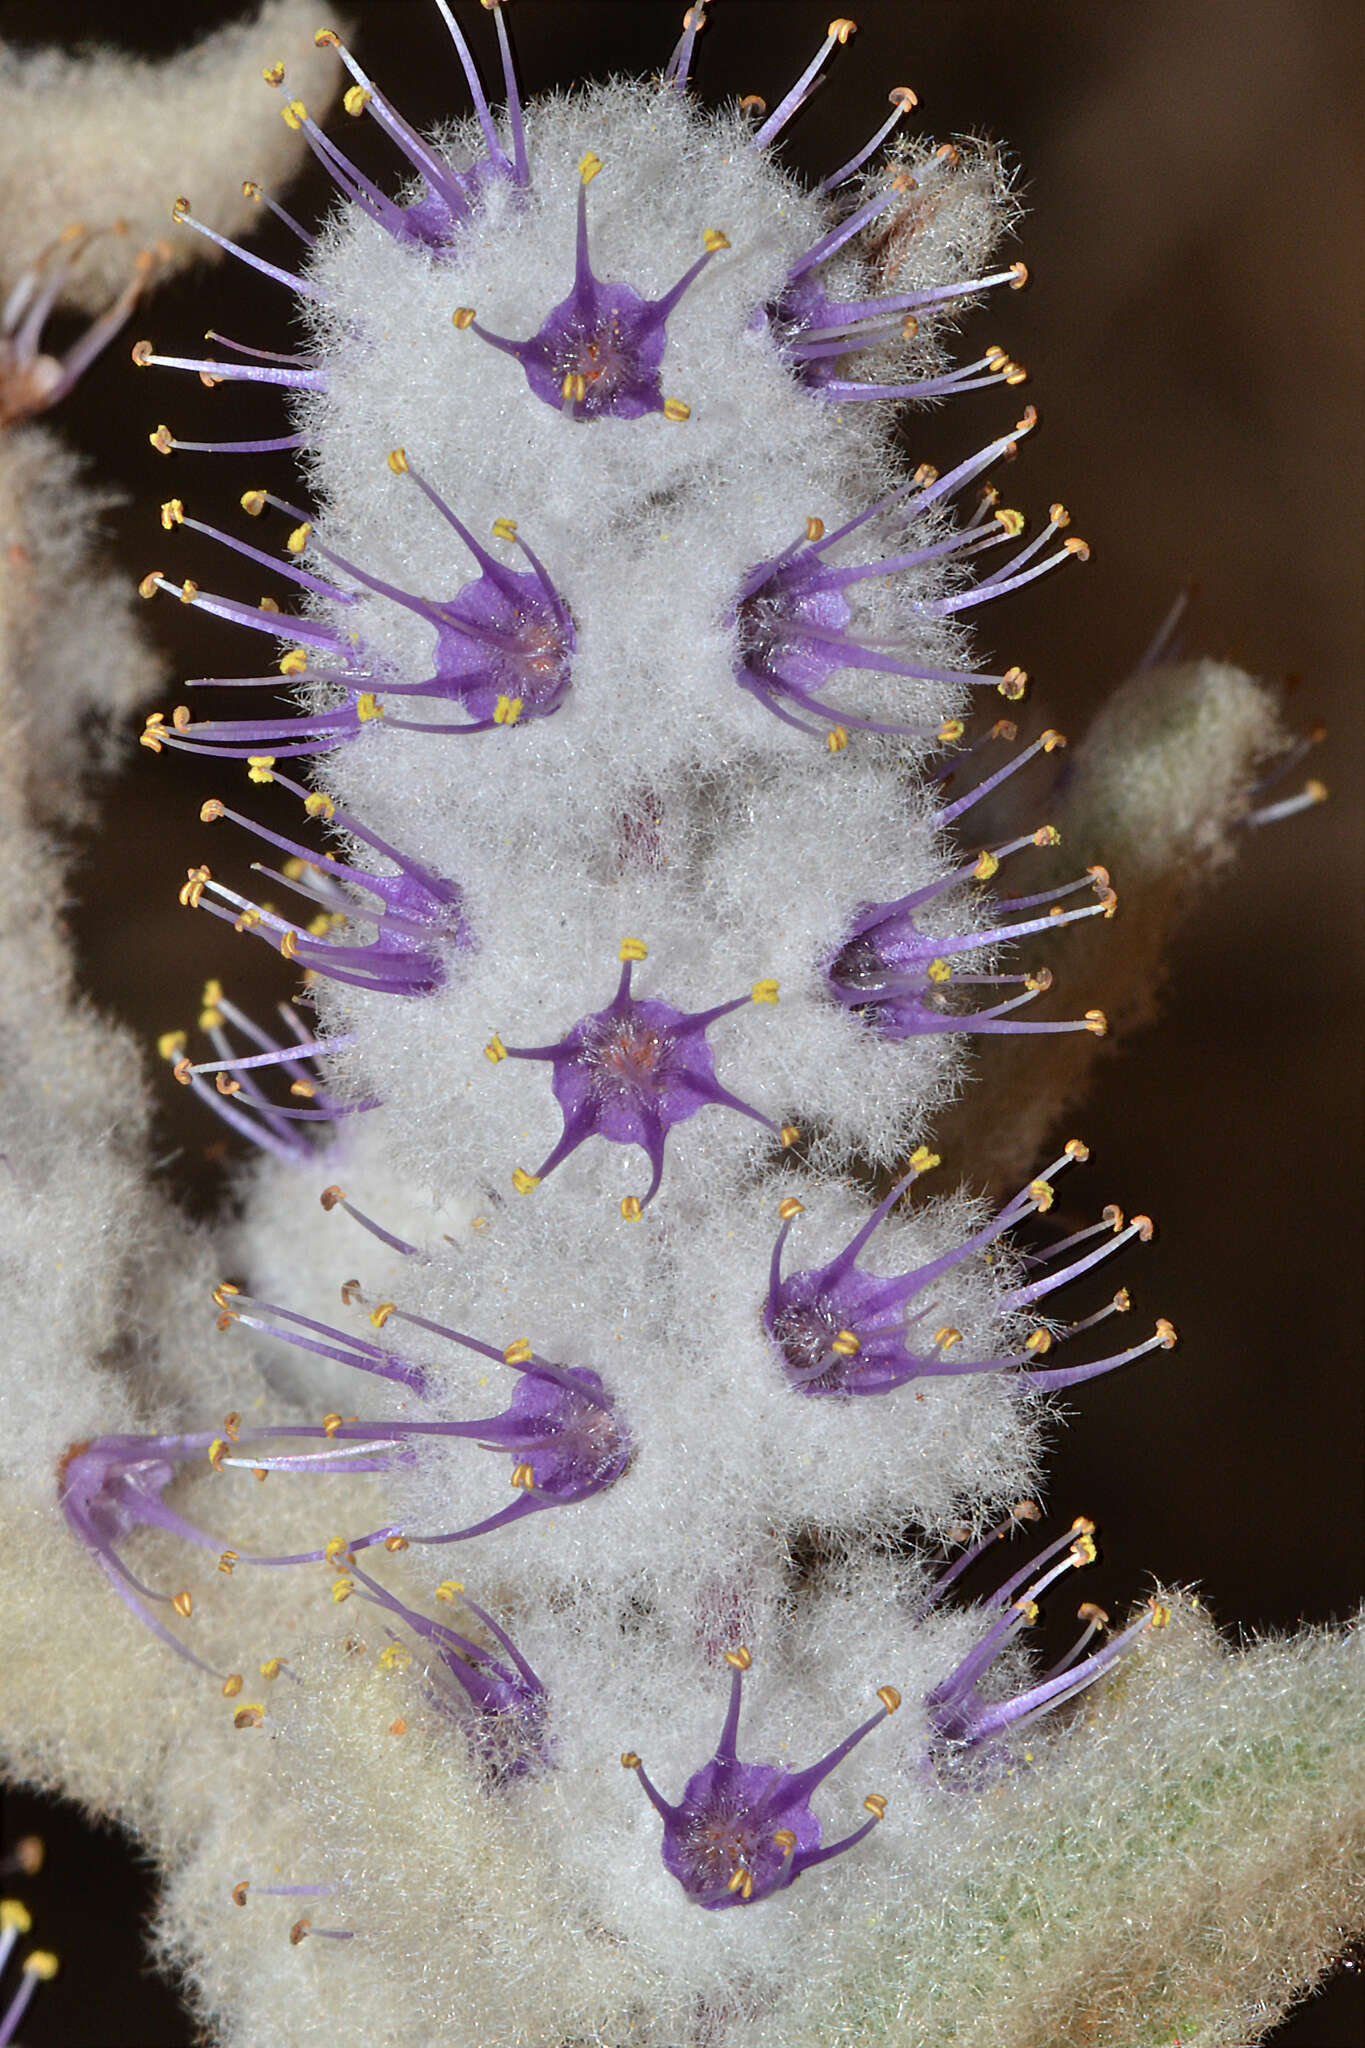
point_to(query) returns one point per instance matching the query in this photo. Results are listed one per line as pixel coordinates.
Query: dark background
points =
(1193, 334)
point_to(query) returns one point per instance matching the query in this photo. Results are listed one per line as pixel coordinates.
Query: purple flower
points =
(841, 1331)
(792, 617)
(503, 642)
(111, 1486)
(448, 196)
(561, 1428)
(898, 979)
(420, 917)
(742, 1831)
(599, 353)
(963, 1718)
(508, 1700)
(629, 1073)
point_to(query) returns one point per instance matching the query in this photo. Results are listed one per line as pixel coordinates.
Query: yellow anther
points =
(836, 739)
(240, 1890)
(295, 662)
(507, 710)
(1083, 1525)
(986, 866)
(505, 529)
(1315, 791)
(356, 99)
(42, 1964)
(330, 1196)
(875, 1804)
(1097, 1022)
(1013, 522)
(1038, 981)
(1004, 729)
(142, 353)
(298, 539)
(462, 317)
(180, 717)
(15, 1917)
(1077, 1149)
(326, 39)
(172, 513)
(847, 1344)
(232, 1425)
(299, 1932)
(289, 944)
(179, 209)
(253, 503)
(1160, 1615)
(909, 327)
(331, 1423)
(449, 1588)
(1051, 740)
(741, 1881)
(790, 1207)
(524, 1182)
(319, 806)
(1019, 276)
(939, 970)
(1077, 547)
(1047, 835)
(518, 1353)
(228, 1561)
(789, 1135)
(1122, 1301)
(495, 1050)
(396, 1543)
(1088, 1611)
(676, 409)
(1042, 1194)
(946, 1336)
(629, 1760)
(342, 1589)
(149, 587)
(232, 1685)
(1167, 1333)
(785, 1840)
(273, 74)
(1013, 684)
(267, 604)
(183, 1605)
(183, 1072)
(170, 1043)
(588, 166)
(739, 1659)
(631, 1209)
(951, 729)
(163, 440)
(841, 28)
(193, 888)
(764, 991)
(714, 239)
(632, 949)
(381, 1312)
(523, 1476)
(368, 707)
(1083, 1550)
(923, 1160)
(212, 811)
(1029, 1610)
(1039, 1342)
(251, 190)
(394, 1658)
(222, 1291)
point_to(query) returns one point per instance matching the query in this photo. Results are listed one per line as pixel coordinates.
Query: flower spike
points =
(629, 1073)
(743, 1831)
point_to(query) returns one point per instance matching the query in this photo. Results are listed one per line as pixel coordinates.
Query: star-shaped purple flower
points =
(599, 353)
(630, 1072)
(743, 1831)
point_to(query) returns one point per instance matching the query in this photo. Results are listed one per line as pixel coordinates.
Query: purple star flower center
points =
(788, 630)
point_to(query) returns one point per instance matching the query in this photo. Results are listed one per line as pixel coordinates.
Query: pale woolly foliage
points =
(101, 137)
(77, 667)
